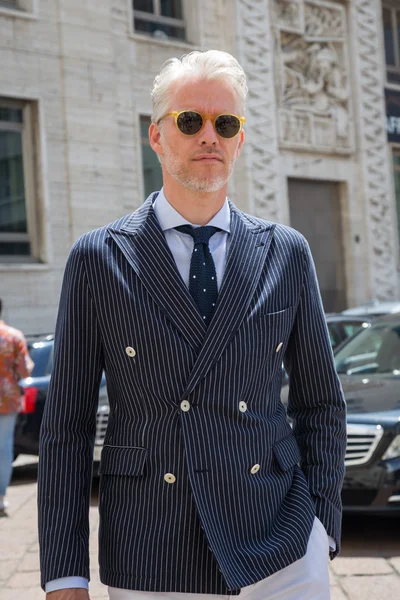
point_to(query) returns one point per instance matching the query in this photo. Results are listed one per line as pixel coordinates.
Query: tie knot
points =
(200, 235)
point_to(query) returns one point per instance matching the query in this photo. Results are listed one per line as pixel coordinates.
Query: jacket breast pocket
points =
(122, 460)
(274, 331)
(286, 452)
(277, 320)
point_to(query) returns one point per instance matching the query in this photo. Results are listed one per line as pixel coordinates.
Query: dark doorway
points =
(315, 211)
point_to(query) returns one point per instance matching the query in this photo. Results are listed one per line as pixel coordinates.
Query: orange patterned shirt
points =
(15, 364)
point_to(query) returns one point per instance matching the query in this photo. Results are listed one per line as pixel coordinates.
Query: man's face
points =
(202, 162)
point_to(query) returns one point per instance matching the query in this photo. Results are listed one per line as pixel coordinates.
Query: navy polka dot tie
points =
(202, 276)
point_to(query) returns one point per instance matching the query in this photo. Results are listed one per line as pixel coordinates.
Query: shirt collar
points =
(169, 218)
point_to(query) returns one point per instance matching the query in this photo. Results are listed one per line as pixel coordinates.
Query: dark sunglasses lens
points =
(189, 122)
(227, 126)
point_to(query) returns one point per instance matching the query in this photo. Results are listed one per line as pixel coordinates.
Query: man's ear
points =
(242, 137)
(155, 139)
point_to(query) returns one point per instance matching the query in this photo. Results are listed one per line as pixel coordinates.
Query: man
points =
(15, 364)
(190, 306)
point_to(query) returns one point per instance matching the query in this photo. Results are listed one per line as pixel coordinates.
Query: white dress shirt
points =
(181, 246)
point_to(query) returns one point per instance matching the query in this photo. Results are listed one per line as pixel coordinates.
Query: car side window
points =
(360, 354)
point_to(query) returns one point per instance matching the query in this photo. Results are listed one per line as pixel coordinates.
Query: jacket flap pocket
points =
(122, 460)
(287, 452)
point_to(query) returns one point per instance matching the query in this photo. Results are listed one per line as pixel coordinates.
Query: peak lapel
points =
(248, 249)
(143, 243)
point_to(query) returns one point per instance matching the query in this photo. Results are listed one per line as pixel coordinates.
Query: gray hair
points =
(210, 65)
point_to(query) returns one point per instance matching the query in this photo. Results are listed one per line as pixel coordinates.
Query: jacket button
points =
(254, 469)
(185, 405)
(242, 406)
(130, 351)
(169, 478)
(279, 346)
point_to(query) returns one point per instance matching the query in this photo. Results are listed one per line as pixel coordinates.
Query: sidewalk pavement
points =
(19, 567)
(351, 578)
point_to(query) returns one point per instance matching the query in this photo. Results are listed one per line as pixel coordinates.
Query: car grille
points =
(362, 441)
(101, 425)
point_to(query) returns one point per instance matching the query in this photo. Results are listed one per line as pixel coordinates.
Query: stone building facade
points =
(75, 77)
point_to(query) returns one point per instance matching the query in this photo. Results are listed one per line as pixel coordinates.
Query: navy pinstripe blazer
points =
(214, 526)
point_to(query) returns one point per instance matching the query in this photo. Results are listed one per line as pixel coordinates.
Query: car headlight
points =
(394, 449)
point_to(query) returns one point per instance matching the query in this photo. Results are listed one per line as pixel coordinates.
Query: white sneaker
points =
(3, 504)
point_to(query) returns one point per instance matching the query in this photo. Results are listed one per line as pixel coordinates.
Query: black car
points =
(368, 365)
(35, 387)
(369, 369)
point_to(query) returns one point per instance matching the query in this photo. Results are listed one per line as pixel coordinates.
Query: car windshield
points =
(373, 350)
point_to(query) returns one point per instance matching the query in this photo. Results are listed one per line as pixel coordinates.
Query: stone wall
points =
(315, 110)
(91, 78)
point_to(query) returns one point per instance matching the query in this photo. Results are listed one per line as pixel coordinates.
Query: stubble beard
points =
(193, 181)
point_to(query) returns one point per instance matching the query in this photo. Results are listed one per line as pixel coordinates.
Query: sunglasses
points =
(190, 122)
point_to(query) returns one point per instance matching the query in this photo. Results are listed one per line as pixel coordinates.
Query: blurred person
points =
(190, 306)
(15, 364)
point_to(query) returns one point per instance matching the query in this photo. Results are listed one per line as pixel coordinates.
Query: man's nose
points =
(208, 135)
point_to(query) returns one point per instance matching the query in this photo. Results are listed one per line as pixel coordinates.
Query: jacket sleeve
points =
(316, 404)
(23, 362)
(68, 430)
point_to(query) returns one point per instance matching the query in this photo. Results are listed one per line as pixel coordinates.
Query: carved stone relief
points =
(324, 21)
(289, 15)
(313, 76)
(375, 161)
(255, 43)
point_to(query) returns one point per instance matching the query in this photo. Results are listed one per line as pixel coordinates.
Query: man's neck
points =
(196, 207)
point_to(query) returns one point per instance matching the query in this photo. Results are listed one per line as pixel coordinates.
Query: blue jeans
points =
(7, 426)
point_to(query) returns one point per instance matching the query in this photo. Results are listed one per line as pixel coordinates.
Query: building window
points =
(18, 226)
(23, 8)
(391, 31)
(151, 168)
(396, 168)
(161, 19)
(9, 4)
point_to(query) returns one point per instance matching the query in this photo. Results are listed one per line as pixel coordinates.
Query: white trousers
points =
(305, 579)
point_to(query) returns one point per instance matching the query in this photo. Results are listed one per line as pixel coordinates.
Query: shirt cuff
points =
(64, 583)
(332, 544)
